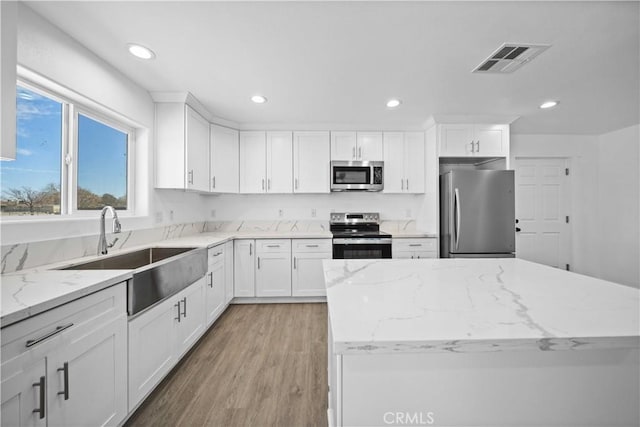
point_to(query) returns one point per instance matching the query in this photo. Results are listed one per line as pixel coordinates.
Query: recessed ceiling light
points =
(141, 52)
(258, 99)
(548, 104)
(393, 103)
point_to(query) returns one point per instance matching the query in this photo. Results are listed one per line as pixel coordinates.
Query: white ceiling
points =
(336, 63)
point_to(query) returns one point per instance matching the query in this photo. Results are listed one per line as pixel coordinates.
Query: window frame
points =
(68, 155)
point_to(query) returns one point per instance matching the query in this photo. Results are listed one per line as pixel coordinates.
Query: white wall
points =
(602, 246)
(46, 50)
(299, 206)
(618, 201)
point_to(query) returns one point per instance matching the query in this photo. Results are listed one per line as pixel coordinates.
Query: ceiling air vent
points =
(509, 57)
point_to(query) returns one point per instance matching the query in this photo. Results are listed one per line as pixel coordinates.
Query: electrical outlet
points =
(408, 213)
(280, 213)
(171, 216)
(158, 217)
(213, 213)
(313, 213)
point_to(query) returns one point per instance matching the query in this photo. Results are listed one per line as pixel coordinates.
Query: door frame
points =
(568, 198)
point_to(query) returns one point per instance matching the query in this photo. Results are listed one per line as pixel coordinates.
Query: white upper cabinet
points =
(279, 162)
(182, 152)
(356, 146)
(266, 162)
(311, 162)
(225, 161)
(404, 162)
(464, 140)
(253, 167)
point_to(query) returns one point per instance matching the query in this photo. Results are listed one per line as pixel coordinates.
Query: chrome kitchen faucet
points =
(103, 247)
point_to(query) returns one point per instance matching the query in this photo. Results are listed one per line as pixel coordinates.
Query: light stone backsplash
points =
(285, 226)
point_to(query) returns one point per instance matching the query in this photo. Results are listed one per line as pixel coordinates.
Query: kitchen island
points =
(479, 342)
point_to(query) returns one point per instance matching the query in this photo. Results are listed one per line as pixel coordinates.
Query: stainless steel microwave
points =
(356, 176)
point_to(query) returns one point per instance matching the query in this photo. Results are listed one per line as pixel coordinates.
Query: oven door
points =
(361, 248)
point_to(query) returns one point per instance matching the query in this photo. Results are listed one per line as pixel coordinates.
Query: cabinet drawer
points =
(216, 254)
(424, 244)
(312, 245)
(273, 246)
(46, 328)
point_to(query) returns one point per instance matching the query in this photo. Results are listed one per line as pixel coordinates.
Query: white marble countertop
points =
(27, 293)
(474, 305)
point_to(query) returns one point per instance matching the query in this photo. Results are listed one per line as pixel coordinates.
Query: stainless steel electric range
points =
(358, 236)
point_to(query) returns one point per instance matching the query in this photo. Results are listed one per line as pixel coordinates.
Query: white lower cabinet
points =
(244, 257)
(159, 336)
(414, 248)
(273, 268)
(215, 287)
(68, 366)
(307, 276)
(228, 272)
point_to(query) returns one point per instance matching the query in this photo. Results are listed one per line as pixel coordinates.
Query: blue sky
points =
(101, 154)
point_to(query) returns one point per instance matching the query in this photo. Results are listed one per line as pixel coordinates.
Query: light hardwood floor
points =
(259, 365)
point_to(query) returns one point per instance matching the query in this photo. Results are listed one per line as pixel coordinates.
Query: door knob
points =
(518, 229)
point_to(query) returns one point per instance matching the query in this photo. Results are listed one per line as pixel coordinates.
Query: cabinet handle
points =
(473, 147)
(65, 376)
(214, 182)
(268, 183)
(296, 183)
(401, 184)
(407, 184)
(311, 246)
(263, 183)
(48, 335)
(415, 244)
(191, 176)
(40, 410)
(184, 309)
(477, 146)
(211, 279)
(250, 248)
(217, 254)
(294, 263)
(177, 305)
(258, 263)
(360, 153)
(273, 246)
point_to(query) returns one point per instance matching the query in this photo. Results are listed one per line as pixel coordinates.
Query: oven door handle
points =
(367, 241)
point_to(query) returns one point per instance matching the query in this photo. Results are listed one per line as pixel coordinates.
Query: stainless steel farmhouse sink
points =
(159, 272)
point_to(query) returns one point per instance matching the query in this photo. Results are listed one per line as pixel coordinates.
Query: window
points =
(68, 160)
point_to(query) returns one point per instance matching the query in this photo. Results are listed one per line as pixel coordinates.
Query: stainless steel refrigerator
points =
(477, 214)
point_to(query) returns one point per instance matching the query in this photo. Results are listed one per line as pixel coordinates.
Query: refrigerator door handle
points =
(457, 212)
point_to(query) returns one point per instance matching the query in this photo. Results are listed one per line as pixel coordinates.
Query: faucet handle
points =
(116, 226)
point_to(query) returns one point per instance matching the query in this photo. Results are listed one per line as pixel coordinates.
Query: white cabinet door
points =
(394, 160)
(225, 160)
(191, 323)
(252, 162)
(215, 291)
(491, 140)
(244, 268)
(307, 275)
(279, 162)
(197, 148)
(414, 162)
(273, 275)
(343, 146)
(456, 140)
(21, 379)
(228, 271)
(369, 146)
(151, 348)
(311, 162)
(88, 376)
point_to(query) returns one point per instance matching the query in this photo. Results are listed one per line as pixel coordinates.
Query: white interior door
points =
(543, 211)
